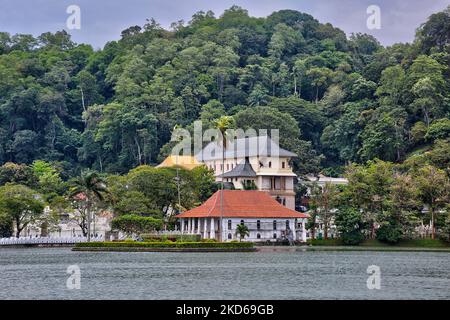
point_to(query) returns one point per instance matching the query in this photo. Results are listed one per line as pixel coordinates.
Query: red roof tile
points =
(242, 204)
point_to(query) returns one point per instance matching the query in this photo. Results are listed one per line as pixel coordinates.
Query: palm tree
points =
(242, 231)
(93, 187)
(223, 124)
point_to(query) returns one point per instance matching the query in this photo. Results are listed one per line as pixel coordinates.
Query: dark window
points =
(230, 236)
(242, 222)
(274, 235)
(270, 164)
(258, 225)
(274, 224)
(229, 224)
(287, 225)
(258, 236)
(283, 165)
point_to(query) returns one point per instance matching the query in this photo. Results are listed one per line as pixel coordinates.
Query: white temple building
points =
(266, 219)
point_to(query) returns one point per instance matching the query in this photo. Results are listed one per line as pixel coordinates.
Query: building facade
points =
(266, 219)
(253, 161)
(68, 226)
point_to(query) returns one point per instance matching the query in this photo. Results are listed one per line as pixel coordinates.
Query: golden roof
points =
(186, 162)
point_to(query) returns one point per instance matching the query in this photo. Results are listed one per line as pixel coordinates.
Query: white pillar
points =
(213, 229)
(192, 225)
(189, 225)
(294, 230)
(304, 230)
(205, 230)
(182, 225)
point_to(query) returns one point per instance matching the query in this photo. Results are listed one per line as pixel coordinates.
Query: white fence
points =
(45, 240)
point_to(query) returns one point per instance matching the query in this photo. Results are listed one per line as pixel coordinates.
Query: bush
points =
(174, 238)
(209, 240)
(390, 233)
(350, 226)
(166, 244)
(328, 242)
(439, 129)
(136, 224)
(352, 238)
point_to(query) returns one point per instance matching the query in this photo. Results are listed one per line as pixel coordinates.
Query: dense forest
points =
(335, 99)
(381, 115)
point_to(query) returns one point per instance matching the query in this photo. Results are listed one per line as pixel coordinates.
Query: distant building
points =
(257, 161)
(68, 226)
(266, 219)
(186, 162)
(321, 180)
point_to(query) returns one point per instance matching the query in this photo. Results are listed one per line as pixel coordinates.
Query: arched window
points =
(274, 235)
(258, 236)
(274, 224)
(230, 236)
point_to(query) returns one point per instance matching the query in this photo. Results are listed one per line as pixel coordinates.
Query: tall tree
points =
(91, 187)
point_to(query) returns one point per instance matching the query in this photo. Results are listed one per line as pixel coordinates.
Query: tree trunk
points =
(18, 229)
(295, 85)
(313, 230)
(88, 218)
(221, 185)
(432, 223)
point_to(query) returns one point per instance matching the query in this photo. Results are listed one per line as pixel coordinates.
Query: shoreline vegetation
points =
(166, 246)
(312, 245)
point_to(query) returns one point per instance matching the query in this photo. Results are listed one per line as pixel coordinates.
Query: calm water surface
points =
(40, 273)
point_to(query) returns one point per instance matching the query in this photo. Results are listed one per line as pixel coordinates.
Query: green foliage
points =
(224, 245)
(390, 233)
(349, 223)
(134, 224)
(17, 173)
(439, 129)
(19, 205)
(174, 238)
(242, 231)
(114, 109)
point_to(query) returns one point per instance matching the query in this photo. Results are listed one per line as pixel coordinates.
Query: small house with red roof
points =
(266, 218)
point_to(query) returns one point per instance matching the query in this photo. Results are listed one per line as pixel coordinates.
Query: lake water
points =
(41, 273)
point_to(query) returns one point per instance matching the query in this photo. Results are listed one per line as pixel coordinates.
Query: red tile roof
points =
(242, 204)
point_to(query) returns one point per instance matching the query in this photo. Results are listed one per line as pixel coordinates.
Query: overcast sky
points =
(103, 20)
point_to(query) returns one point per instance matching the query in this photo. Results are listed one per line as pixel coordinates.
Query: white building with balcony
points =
(253, 160)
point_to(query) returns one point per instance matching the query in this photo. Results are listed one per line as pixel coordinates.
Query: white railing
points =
(45, 240)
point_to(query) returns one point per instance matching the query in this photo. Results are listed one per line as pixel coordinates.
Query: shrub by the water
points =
(166, 244)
